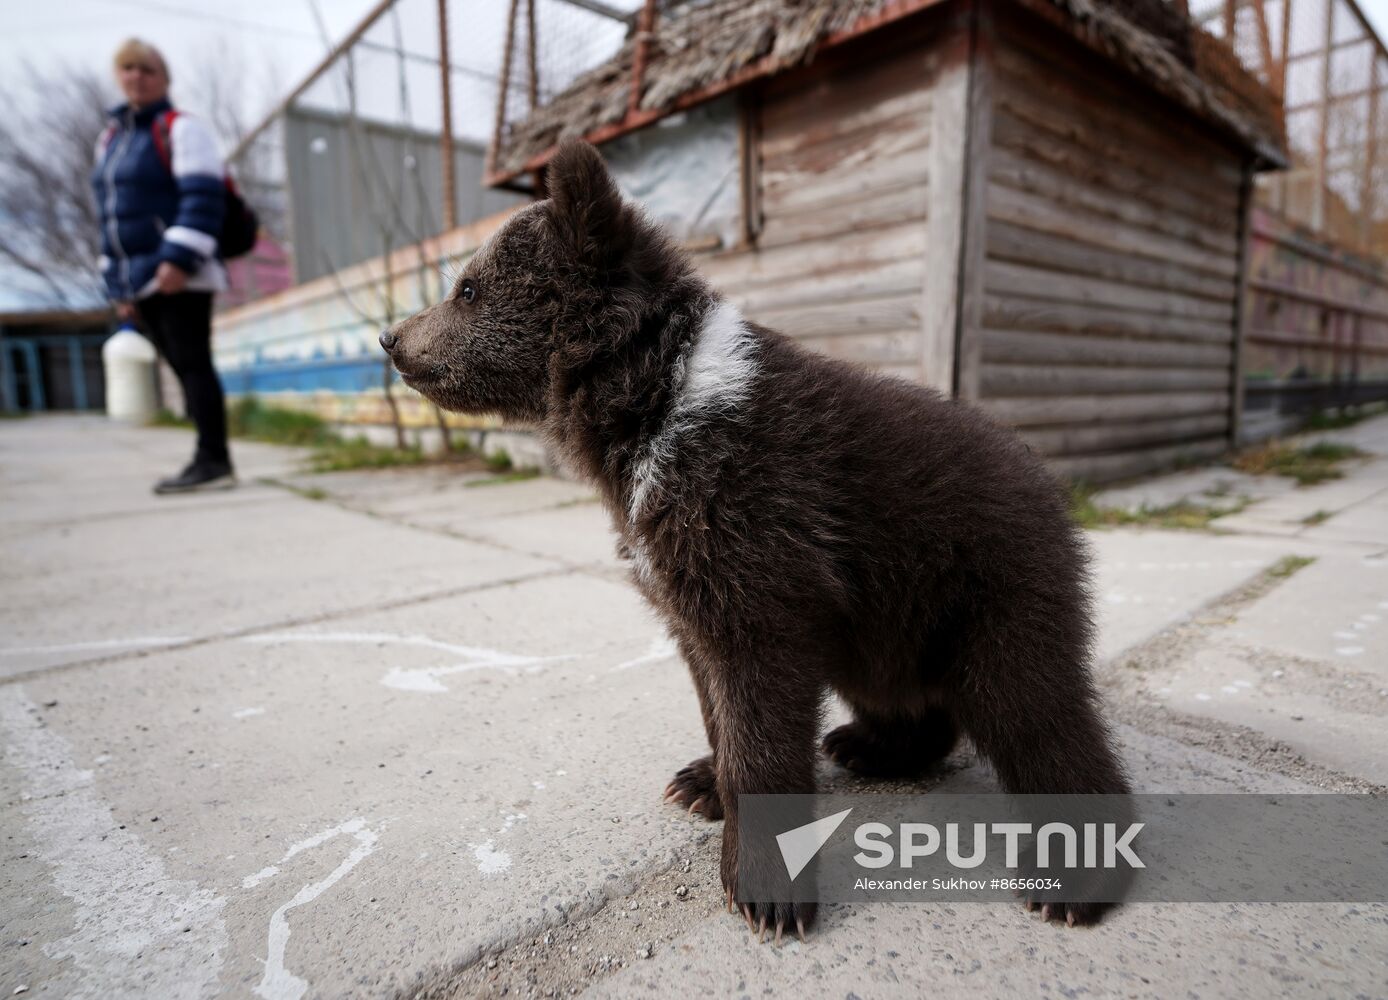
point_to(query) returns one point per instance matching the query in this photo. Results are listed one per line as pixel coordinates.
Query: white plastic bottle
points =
(129, 362)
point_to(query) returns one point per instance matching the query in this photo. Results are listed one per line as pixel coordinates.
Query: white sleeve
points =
(195, 148)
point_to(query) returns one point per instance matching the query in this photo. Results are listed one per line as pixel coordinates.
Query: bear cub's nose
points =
(387, 338)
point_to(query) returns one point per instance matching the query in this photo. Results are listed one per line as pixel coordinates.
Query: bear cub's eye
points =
(467, 291)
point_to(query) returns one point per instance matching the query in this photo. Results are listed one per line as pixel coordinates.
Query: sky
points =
(275, 43)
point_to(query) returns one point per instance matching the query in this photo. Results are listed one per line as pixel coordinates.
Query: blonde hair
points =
(138, 50)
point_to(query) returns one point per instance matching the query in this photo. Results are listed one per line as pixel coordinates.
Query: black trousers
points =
(180, 327)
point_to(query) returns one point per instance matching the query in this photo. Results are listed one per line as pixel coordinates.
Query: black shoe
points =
(199, 475)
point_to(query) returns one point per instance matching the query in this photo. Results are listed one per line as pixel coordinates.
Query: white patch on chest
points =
(716, 376)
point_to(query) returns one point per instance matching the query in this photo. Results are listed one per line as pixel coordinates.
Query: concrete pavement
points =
(411, 737)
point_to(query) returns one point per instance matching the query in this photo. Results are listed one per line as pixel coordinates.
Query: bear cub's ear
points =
(588, 210)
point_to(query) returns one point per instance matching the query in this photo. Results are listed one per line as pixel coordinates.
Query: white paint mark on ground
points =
(136, 931)
(1349, 650)
(136, 642)
(246, 713)
(279, 983)
(489, 860)
(662, 648)
(424, 679)
(1202, 696)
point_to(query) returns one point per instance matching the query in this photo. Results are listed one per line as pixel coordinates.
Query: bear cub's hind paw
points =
(695, 788)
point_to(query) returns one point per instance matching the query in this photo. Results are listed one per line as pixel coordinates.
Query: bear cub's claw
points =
(695, 788)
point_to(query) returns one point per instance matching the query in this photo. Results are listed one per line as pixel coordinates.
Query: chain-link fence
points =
(351, 165)
(1324, 60)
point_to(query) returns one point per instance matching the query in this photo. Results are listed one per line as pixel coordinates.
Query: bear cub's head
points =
(561, 282)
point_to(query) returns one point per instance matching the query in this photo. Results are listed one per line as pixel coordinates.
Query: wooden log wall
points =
(840, 157)
(1110, 267)
(1317, 329)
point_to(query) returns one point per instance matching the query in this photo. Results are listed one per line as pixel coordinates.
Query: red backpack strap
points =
(163, 137)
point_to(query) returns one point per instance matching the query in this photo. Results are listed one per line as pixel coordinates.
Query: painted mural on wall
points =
(314, 346)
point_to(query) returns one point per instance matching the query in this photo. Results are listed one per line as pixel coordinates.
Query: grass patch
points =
(1307, 464)
(248, 419)
(1347, 416)
(168, 418)
(1182, 515)
(1288, 565)
(1317, 518)
(514, 476)
(252, 420)
(307, 492)
(358, 453)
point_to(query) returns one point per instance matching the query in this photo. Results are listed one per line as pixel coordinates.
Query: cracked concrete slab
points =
(386, 768)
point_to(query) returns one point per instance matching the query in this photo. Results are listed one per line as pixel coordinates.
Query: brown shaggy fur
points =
(830, 529)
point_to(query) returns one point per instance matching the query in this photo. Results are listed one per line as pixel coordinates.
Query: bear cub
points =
(801, 525)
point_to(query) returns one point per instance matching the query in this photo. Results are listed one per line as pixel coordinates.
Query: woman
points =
(161, 193)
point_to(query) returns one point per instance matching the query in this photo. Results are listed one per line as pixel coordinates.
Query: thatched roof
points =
(704, 47)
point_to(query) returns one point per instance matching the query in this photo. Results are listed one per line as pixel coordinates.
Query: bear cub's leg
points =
(903, 747)
(695, 786)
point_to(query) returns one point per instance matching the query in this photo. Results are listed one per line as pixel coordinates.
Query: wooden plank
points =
(1070, 150)
(1042, 348)
(1107, 437)
(978, 152)
(838, 258)
(1007, 242)
(893, 278)
(1034, 211)
(1116, 142)
(844, 317)
(1129, 464)
(830, 141)
(1034, 64)
(894, 85)
(1000, 380)
(784, 192)
(891, 206)
(944, 225)
(1020, 175)
(1035, 282)
(1011, 311)
(1031, 411)
(896, 347)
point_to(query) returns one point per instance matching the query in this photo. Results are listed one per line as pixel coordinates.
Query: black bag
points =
(240, 227)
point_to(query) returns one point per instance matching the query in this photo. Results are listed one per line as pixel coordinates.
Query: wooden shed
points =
(1037, 205)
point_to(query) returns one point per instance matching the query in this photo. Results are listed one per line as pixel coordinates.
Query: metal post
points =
(1318, 198)
(495, 147)
(1286, 51)
(532, 77)
(79, 376)
(31, 356)
(1367, 206)
(644, 26)
(9, 390)
(450, 198)
(1264, 39)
